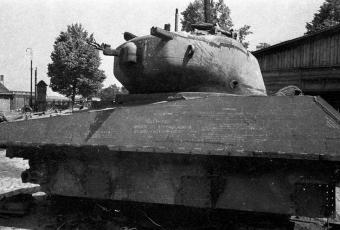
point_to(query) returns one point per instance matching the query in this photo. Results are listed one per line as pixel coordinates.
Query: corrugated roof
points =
(298, 39)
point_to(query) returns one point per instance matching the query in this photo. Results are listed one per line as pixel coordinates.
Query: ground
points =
(10, 171)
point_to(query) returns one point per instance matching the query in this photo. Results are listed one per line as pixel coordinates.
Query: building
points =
(16, 100)
(20, 99)
(311, 62)
(41, 88)
(5, 98)
(13, 100)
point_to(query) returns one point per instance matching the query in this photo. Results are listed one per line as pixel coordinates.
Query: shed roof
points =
(42, 83)
(4, 90)
(289, 43)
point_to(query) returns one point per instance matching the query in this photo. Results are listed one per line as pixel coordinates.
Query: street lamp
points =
(31, 55)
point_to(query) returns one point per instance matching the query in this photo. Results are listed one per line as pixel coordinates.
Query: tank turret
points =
(206, 60)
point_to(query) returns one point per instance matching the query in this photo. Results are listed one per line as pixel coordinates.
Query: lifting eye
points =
(233, 84)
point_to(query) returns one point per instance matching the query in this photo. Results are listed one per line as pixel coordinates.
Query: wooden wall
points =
(5, 103)
(310, 62)
(319, 51)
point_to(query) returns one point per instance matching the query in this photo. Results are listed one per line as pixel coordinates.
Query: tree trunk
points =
(207, 11)
(73, 97)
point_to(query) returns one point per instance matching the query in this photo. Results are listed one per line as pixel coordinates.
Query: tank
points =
(196, 131)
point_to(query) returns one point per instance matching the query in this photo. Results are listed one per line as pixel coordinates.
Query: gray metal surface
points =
(276, 127)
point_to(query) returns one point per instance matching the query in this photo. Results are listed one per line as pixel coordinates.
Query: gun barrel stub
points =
(110, 52)
(163, 34)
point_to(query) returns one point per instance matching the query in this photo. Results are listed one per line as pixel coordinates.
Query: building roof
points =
(42, 83)
(289, 43)
(4, 90)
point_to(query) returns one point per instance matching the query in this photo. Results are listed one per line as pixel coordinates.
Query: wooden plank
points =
(298, 54)
(335, 40)
(317, 53)
(328, 51)
(323, 51)
(338, 49)
(260, 60)
(293, 55)
(313, 53)
(319, 56)
(288, 58)
(336, 45)
(306, 53)
(333, 56)
(292, 58)
(274, 63)
(329, 56)
(302, 53)
(331, 51)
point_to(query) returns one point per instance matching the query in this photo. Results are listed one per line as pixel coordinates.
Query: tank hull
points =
(217, 151)
(273, 186)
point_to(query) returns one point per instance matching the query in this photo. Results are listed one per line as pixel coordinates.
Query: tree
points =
(220, 14)
(109, 93)
(242, 33)
(194, 13)
(74, 68)
(262, 45)
(327, 16)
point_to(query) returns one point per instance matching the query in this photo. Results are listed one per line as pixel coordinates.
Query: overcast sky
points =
(36, 23)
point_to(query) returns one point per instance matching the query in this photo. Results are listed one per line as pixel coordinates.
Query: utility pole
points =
(31, 55)
(35, 88)
(207, 11)
(31, 103)
(176, 20)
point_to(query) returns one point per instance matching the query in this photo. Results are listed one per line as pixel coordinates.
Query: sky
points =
(35, 24)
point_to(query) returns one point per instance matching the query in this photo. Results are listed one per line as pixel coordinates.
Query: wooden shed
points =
(311, 62)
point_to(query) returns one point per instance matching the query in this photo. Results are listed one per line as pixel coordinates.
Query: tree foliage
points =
(194, 13)
(109, 93)
(327, 16)
(74, 68)
(242, 33)
(262, 45)
(220, 14)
